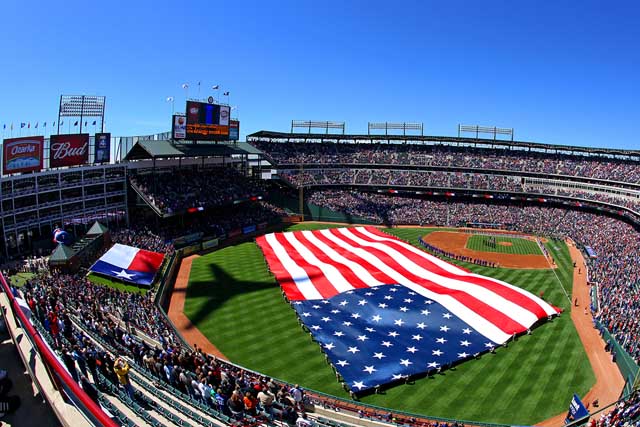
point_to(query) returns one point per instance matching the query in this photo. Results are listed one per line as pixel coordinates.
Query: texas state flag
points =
(129, 264)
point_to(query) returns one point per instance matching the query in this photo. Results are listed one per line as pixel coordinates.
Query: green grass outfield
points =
(518, 246)
(237, 304)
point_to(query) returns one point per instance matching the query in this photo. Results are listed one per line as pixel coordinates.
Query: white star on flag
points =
(316, 327)
(124, 275)
(412, 349)
(405, 362)
(444, 328)
(325, 319)
(463, 355)
(386, 344)
(466, 331)
(437, 353)
(447, 315)
(417, 337)
(465, 343)
(342, 363)
(441, 340)
(432, 365)
(369, 369)
(393, 334)
(353, 350)
(404, 309)
(359, 385)
(425, 312)
(376, 318)
(362, 302)
(362, 338)
(305, 314)
(421, 325)
(398, 322)
(338, 333)
(378, 355)
(382, 305)
(330, 346)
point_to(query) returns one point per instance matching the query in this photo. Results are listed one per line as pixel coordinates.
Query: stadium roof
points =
(167, 149)
(453, 140)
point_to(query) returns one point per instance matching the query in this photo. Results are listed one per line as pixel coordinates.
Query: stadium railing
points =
(58, 374)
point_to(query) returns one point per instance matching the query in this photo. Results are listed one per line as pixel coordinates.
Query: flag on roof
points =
(130, 264)
(383, 310)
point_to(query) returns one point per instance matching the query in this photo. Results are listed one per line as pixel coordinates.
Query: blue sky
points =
(557, 71)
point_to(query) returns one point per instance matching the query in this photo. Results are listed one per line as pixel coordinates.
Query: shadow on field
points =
(222, 288)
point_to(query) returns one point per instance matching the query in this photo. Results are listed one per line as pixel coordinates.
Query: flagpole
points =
(198, 91)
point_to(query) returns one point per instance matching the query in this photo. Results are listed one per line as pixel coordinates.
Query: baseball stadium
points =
(331, 262)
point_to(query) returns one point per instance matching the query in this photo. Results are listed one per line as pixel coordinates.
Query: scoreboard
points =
(207, 121)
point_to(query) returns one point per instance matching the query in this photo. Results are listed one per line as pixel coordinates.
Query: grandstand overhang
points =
(151, 150)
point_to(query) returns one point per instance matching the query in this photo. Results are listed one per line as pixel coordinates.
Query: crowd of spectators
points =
(436, 179)
(443, 155)
(181, 189)
(143, 238)
(626, 413)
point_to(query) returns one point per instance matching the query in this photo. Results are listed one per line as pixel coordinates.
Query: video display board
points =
(22, 154)
(68, 150)
(179, 126)
(102, 149)
(207, 122)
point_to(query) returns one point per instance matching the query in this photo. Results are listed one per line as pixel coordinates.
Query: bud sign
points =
(68, 150)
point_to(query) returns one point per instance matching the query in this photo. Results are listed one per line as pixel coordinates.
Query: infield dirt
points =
(455, 243)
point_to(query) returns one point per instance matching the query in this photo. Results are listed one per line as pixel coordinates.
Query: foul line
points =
(544, 251)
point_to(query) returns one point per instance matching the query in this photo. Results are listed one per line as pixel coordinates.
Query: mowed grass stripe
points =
(237, 304)
(515, 245)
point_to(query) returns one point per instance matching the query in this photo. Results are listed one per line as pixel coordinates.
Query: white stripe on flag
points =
(298, 275)
(120, 255)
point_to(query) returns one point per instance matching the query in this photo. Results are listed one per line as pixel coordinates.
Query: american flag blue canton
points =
(374, 336)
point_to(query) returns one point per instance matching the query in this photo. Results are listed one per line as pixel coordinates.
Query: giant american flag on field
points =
(383, 310)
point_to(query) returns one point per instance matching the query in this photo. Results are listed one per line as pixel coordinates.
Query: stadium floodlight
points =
(310, 124)
(495, 131)
(81, 106)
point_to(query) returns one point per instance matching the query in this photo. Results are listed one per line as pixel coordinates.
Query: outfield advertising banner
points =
(68, 150)
(102, 148)
(208, 244)
(22, 154)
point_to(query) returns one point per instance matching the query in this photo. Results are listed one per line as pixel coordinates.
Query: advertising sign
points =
(234, 130)
(102, 149)
(22, 154)
(179, 127)
(68, 150)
